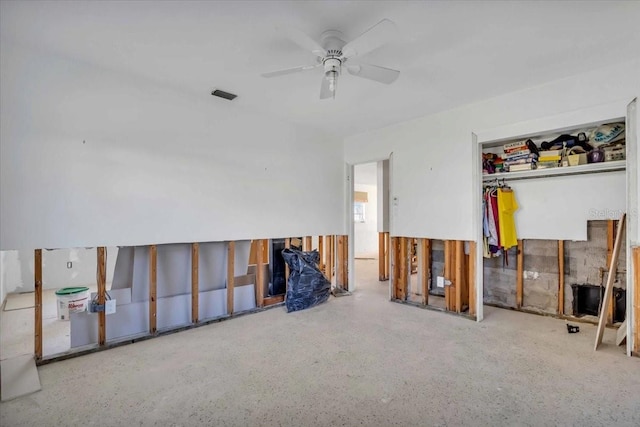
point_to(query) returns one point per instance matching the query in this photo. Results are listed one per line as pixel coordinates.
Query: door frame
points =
(349, 224)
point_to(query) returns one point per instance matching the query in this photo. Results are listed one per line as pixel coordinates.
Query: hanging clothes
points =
(490, 223)
(494, 221)
(507, 205)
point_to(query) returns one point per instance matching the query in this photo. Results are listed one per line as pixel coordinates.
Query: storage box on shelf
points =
(566, 153)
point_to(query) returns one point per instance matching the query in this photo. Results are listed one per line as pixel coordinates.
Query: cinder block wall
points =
(500, 280)
(583, 263)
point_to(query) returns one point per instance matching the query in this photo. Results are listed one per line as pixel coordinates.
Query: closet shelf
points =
(570, 170)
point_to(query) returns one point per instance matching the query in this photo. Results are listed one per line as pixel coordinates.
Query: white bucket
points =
(71, 300)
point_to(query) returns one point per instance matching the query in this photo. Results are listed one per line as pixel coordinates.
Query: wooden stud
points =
(561, 277)
(328, 262)
(195, 289)
(403, 270)
(381, 257)
(308, 246)
(472, 278)
(387, 255)
(635, 330)
(459, 273)
(37, 280)
(231, 260)
(339, 245)
(260, 275)
(102, 295)
(445, 272)
(153, 280)
(608, 290)
(273, 300)
(287, 245)
(466, 257)
(320, 252)
(448, 264)
(345, 262)
(340, 279)
(253, 252)
(425, 246)
(265, 251)
(520, 274)
(452, 276)
(395, 267)
(611, 233)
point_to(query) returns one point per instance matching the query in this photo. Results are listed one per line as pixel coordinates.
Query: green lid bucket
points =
(72, 291)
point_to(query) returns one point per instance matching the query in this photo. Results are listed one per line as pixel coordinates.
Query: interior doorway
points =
(371, 225)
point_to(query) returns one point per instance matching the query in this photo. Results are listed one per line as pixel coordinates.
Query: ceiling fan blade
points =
(304, 41)
(290, 70)
(374, 72)
(381, 33)
(325, 91)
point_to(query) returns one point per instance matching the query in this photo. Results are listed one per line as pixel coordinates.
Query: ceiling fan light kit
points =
(333, 52)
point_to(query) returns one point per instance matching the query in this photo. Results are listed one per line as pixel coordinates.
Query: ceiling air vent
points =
(223, 94)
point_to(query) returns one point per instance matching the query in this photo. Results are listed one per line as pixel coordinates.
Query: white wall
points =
(91, 157)
(366, 233)
(432, 155)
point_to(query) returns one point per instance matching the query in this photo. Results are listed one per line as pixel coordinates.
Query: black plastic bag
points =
(306, 286)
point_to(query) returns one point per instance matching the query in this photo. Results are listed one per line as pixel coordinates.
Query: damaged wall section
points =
(585, 262)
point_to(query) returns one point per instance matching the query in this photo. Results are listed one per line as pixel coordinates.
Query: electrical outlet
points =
(69, 264)
(442, 282)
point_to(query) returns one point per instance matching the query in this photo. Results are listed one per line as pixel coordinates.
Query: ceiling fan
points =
(333, 52)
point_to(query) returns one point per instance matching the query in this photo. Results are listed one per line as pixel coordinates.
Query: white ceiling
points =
(449, 53)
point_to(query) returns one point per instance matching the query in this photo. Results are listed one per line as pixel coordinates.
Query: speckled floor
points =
(357, 360)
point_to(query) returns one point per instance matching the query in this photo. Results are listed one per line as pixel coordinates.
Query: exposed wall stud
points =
(329, 261)
(448, 270)
(472, 279)
(636, 301)
(608, 290)
(195, 290)
(153, 280)
(611, 235)
(342, 277)
(260, 275)
(102, 295)
(287, 245)
(231, 253)
(395, 268)
(520, 274)
(381, 257)
(321, 253)
(425, 273)
(402, 272)
(38, 303)
(308, 246)
(561, 277)
(387, 256)
(459, 273)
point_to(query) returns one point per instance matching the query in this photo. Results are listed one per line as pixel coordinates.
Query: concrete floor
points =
(357, 360)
